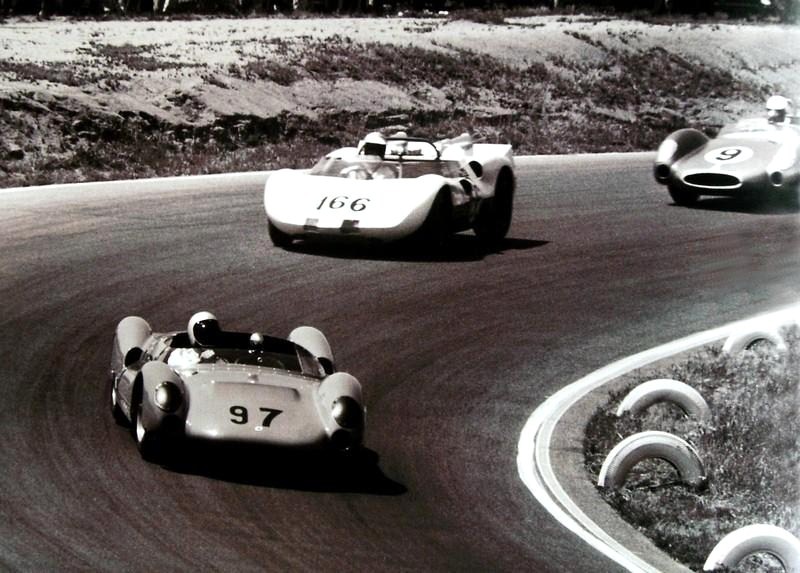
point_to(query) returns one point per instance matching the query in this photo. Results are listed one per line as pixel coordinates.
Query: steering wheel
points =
(356, 172)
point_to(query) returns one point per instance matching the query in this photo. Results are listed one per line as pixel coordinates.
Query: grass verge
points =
(749, 448)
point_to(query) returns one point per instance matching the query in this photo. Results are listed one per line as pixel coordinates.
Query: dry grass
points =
(628, 100)
(750, 450)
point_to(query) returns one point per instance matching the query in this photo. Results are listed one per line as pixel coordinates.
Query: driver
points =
(777, 109)
(372, 144)
(203, 332)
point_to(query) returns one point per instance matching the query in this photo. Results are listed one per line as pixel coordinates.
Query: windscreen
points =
(364, 167)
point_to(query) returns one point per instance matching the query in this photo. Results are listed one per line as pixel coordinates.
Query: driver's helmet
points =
(777, 109)
(203, 329)
(372, 144)
(256, 342)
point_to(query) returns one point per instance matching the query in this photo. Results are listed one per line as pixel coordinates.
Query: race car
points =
(754, 158)
(241, 387)
(396, 187)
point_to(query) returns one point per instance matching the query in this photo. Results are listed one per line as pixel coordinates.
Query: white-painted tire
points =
(665, 390)
(652, 445)
(744, 339)
(757, 538)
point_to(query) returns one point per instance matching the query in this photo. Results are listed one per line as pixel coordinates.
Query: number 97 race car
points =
(394, 188)
(757, 157)
(249, 388)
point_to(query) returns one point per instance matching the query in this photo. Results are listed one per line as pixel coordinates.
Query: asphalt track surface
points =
(454, 353)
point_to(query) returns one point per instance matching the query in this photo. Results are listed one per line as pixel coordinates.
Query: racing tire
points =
(116, 410)
(279, 238)
(495, 213)
(435, 231)
(147, 442)
(682, 197)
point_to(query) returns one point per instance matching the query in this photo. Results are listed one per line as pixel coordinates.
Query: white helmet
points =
(203, 329)
(777, 108)
(372, 144)
(256, 341)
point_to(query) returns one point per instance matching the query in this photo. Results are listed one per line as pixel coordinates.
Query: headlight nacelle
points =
(168, 397)
(348, 413)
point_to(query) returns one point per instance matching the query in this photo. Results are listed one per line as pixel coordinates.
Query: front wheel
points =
(147, 442)
(116, 410)
(437, 227)
(279, 238)
(682, 197)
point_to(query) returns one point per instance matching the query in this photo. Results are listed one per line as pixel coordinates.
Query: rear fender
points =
(316, 343)
(129, 342)
(679, 144)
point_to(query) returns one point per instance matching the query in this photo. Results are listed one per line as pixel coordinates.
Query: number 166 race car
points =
(240, 387)
(393, 188)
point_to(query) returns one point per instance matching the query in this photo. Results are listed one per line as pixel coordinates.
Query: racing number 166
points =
(340, 201)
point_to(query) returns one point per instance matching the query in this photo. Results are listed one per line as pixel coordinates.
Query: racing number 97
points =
(240, 416)
(340, 201)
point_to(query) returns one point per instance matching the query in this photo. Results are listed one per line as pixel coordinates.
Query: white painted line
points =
(533, 452)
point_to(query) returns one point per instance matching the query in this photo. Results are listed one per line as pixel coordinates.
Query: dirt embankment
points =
(91, 100)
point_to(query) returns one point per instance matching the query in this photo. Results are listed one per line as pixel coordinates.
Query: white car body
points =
(391, 197)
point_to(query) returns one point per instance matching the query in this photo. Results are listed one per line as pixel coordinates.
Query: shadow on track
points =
(457, 249)
(746, 205)
(263, 467)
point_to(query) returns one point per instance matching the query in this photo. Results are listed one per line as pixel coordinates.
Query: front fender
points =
(130, 339)
(678, 144)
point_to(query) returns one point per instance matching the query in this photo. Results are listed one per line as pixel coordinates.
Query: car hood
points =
(743, 156)
(252, 404)
(297, 198)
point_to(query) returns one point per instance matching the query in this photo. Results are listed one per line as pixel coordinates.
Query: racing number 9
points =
(729, 153)
(340, 201)
(240, 416)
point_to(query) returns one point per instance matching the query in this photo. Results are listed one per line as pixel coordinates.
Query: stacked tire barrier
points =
(738, 545)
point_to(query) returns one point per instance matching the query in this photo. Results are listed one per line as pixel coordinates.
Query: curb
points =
(550, 454)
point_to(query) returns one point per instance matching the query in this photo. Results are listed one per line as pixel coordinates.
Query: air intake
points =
(713, 181)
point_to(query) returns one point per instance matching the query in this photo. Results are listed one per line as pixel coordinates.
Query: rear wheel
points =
(279, 238)
(682, 197)
(494, 216)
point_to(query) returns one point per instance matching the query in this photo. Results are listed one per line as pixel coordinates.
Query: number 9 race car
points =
(754, 157)
(394, 188)
(210, 384)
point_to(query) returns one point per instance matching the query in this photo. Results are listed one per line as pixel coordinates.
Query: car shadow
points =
(744, 205)
(304, 471)
(457, 249)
